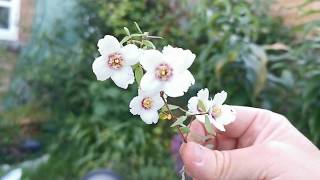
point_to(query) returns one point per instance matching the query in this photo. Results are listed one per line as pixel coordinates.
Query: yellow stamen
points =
(216, 111)
(169, 117)
(115, 61)
(147, 103)
(163, 72)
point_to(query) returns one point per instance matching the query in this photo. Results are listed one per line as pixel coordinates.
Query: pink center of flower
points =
(147, 103)
(163, 72)
(115, 61)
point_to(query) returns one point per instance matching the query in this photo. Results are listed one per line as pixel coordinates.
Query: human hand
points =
(259, 144)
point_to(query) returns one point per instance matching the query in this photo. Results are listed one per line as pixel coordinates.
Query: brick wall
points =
(292, 15)
(27, 11)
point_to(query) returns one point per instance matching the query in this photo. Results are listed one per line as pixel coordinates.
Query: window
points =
(9, 19)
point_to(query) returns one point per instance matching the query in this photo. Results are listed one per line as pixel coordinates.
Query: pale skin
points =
(259, 144)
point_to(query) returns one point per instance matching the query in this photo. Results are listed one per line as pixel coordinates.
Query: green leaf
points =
(179, 121)
(148, 44)
(136, 35)
(201, 106)
(137, 42)
(126, 30)
(287, 78)
(208, 125)
(125, 39)
(185, 130)
(155, 37)
(138, 27)
(138, 73)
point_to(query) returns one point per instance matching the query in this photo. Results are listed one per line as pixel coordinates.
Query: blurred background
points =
(58, 122)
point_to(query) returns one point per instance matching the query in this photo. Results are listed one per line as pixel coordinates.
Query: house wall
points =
(285, 8)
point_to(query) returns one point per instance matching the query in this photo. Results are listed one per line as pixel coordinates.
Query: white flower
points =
(115, 61)
(219, 114)
(147, 106)
(167, 71)
(193, 104)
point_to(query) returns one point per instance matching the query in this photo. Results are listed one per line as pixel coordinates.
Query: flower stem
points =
(183, 109)
(202, 113)
(190, 114)
(166, 104)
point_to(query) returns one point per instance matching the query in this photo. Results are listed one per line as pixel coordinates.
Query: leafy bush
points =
(232, 41)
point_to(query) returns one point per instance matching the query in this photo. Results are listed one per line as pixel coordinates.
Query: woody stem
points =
(190, 114)
(202, 113)
(166, 104)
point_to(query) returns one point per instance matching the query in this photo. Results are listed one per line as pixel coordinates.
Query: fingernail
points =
(198, 152)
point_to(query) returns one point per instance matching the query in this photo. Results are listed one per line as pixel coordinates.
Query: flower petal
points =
(193, 105)
(189, 58)
(147, 93)
(135, 105)
(150, 59)
(178, 58)
(179, 84)
(157, 102)
(150, 117)
(203, 94)
(217, 125)
(228, 115)
(149, 83)
(201, 118)
(100, 69)
(219, 98)
(123, 77)
(131, 54)
(209, 104)
(167, 49)
(108, 45)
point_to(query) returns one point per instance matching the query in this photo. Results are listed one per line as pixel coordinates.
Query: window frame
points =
(12, 33)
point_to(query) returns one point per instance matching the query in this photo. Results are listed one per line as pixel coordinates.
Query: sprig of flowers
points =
(159, 75)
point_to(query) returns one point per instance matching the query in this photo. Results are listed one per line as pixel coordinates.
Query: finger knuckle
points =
(273, 116)
(280, 117)
(274, 149)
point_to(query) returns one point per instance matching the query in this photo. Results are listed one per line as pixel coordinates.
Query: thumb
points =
(247, 163)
